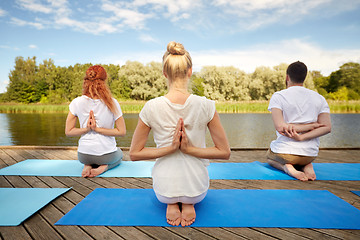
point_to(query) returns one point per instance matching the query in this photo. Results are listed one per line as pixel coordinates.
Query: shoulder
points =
(204, 105)
(202, 100)
(78, 100)
(152, 104)
(154, 101)
(116, 102)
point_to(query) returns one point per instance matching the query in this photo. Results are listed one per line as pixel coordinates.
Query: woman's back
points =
(161, 115)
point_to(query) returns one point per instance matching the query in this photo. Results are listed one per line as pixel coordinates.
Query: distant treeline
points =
(30, 82)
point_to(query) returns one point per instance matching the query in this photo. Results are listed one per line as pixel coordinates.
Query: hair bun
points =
(96, 72)
(175, 48)
(92, 74)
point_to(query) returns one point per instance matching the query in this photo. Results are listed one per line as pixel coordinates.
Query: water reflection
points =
(243, 130)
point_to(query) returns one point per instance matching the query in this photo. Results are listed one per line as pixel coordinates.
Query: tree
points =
(266, 81)
(224, 83)
(196, 85)
(145, 82)
(21, 81)
(347, 76)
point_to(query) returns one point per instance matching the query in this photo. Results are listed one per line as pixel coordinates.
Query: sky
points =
(324, 34)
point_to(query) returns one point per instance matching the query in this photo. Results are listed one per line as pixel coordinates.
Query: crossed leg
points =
(289, 169)
(86, 171)
(309, 172)
(97, 171)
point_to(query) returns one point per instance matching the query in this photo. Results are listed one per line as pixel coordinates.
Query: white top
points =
(179, 174)
(299, 105)
(92, 142)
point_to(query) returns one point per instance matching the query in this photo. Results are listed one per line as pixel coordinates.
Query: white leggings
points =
(182, 199)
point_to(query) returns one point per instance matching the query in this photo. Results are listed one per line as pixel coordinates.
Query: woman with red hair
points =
(97, 112)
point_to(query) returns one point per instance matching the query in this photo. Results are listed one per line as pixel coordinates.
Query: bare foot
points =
(188, 215)
(97, 171)
(86, 171)
(173, 214)
(309, 172)
(289, 169)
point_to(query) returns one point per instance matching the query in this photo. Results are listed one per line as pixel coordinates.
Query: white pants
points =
(182, 199)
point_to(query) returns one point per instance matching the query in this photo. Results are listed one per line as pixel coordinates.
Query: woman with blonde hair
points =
(179, 121)
(97, 112)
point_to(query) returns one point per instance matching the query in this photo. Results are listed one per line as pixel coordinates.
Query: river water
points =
(243, 130)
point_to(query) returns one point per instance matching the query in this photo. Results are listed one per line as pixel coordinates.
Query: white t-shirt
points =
(179, 174)
(299, 105)
(92, 142)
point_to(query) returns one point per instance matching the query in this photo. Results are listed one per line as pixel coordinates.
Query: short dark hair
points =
(297, 72)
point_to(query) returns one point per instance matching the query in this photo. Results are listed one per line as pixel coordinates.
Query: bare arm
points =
(221, 150)
(325, 128)
(286, 128)
(70, 126)
(138, 151)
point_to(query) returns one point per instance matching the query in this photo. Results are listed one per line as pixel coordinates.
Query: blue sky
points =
(242, 33)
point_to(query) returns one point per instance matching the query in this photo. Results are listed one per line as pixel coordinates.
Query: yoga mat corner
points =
(18, 204)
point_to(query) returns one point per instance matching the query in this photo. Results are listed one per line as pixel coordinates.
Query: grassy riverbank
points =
(136, 106)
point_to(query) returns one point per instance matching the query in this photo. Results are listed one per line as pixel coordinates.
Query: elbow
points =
(121, 133)
(133, 156)
(226, 154)
(67, 133)
(329, 129)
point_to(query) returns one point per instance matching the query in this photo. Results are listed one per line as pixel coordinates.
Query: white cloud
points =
(34, 6)
(114, 16)
(2, 12)
(273, 54)
(269, 55)
(127, 17)
(110, 16)
(252, 14)
(147, 38)
(20, 22)
(32, 46)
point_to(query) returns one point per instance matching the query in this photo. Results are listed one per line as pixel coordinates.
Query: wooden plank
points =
(131, 233)
(250, 233)
(14, 233)
(220, 233)
(160, 233)
(6, 158)
(4, 183)
(281, 233)
(190, 233)
(310, 233)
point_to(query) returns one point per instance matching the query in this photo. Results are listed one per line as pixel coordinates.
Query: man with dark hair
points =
(300, 116)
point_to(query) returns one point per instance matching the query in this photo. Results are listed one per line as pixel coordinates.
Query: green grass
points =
(136, 106)
(242, 107)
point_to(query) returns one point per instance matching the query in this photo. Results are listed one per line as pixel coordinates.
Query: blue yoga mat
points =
(242, 171)
(356, 192)
(17, 204)
(73, 168)
(220, 208)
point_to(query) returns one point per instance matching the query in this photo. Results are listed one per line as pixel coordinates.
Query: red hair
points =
(95, 86)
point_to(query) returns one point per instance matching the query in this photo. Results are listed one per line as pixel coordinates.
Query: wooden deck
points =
(41, 224)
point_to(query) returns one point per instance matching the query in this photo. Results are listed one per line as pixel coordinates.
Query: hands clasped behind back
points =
(91, 123)
(180, 139)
